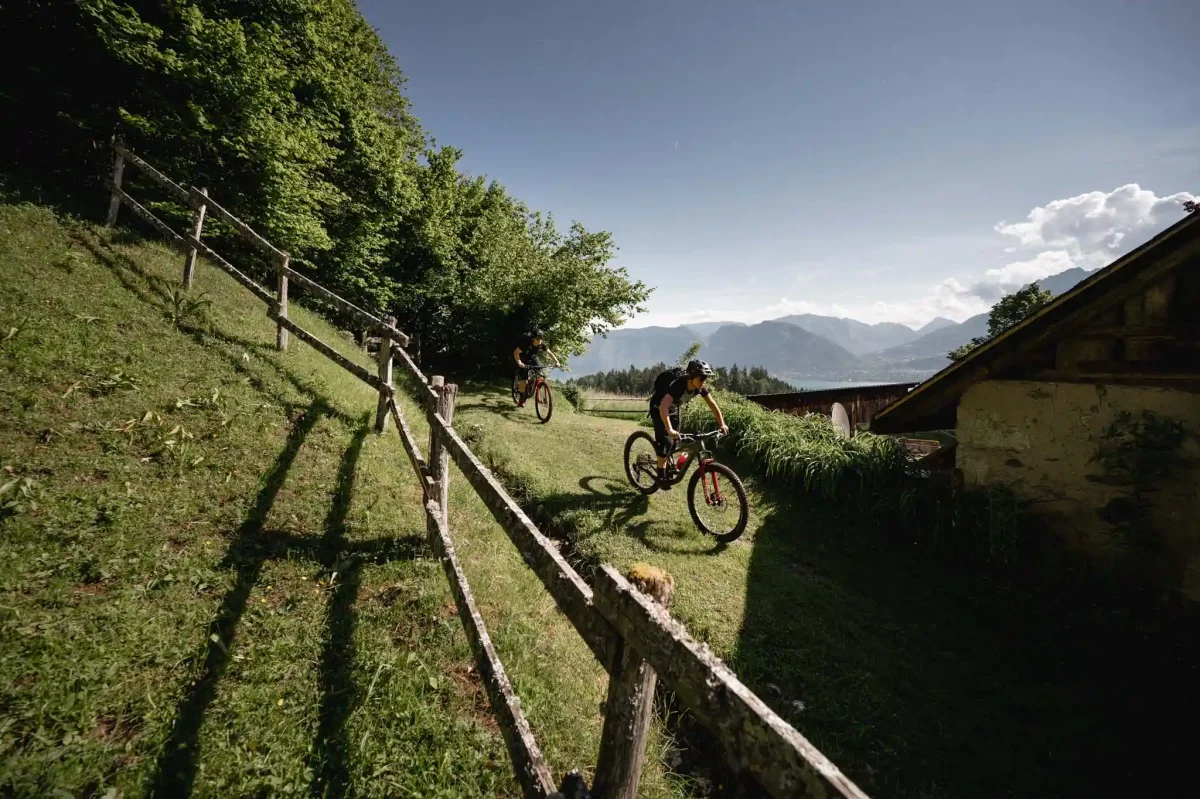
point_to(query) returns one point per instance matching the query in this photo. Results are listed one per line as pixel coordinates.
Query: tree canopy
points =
(745, 380)
(292, 113)
(1011, 308)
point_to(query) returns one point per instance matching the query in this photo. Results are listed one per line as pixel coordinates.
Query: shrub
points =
(572, 394)
(871, 476)
(808, 449)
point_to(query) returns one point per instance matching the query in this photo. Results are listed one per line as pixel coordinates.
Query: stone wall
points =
(1040, 438)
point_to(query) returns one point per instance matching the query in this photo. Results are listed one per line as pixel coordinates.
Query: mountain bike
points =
(716, 497)
(538, 388)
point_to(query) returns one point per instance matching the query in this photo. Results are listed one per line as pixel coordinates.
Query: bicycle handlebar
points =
(715, 434)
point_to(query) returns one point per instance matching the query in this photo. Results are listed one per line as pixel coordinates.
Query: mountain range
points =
(803, 346)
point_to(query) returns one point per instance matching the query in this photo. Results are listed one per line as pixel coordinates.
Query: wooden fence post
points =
(281, 303)
(384, 359)
(439, 458)
(114, 204)
(189, 265)
(630, 704)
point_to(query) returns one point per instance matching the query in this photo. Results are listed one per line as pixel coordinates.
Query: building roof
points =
(933, 404)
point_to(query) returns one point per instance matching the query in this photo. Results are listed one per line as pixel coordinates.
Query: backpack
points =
(663, 382)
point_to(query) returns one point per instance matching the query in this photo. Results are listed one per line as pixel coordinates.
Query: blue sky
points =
(760, 158)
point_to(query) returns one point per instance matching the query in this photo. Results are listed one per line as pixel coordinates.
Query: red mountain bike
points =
(720, 508)
(539, 389)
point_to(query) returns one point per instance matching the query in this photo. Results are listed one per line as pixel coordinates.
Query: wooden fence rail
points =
(629, 629)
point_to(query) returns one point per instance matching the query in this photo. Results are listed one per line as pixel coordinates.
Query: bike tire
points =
(543, 401)
(516, 389)
(629, 442)
(739, 489)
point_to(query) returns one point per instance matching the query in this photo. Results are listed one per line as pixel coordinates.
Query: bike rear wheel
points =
(516, 388)
(543, 401)
(718, 503)
(641, 462)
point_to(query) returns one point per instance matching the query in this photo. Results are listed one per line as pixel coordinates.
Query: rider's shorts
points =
(662, 442)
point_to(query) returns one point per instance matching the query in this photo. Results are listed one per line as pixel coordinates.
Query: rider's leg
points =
(662, 448)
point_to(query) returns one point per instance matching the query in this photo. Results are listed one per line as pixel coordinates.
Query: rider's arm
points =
(517, 357)
(716, 410)
(557, 362)
(664, 409)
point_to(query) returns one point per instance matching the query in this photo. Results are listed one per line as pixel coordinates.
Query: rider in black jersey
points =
(665, 403)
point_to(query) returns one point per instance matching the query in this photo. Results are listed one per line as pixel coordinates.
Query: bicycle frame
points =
(697, 450)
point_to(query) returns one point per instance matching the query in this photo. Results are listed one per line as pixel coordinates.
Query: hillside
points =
(639, 347)
(936, 323)
(933, 345)
(214, 573)
(779, 347)
(851, 334)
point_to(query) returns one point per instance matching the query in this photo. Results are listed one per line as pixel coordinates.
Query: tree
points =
(1010, 310)
(292, 113)
(691, 352)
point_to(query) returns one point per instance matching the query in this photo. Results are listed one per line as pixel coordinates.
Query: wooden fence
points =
(623, 620)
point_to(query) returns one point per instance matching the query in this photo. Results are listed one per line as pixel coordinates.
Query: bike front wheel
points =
(543, 401)
(718, 503)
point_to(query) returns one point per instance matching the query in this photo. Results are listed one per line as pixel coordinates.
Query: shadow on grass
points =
(921, 677)
(341, 562)
(147, 288)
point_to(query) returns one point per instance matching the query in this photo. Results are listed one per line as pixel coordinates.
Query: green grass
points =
(213, 574)
(918, 678)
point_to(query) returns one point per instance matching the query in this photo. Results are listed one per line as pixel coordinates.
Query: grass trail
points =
(216, 579)
(918, 680)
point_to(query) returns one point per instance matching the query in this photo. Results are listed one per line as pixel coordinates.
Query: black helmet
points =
(537, 333)
(699, 369)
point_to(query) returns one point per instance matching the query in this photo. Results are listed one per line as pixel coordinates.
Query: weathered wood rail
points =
(628, 629)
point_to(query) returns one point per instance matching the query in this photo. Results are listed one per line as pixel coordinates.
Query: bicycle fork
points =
(712, 497)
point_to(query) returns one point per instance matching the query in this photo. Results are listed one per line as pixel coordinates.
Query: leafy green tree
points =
(640, 382)
(1011, 309)
(691, 352)
(292, 113)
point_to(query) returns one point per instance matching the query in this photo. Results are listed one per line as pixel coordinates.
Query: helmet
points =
(699, 369)
(537, 333)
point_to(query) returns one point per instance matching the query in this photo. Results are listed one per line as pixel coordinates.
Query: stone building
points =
(1033, 409)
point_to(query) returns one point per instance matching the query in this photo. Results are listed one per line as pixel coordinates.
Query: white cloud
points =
(1096, 221)
(1089, 230)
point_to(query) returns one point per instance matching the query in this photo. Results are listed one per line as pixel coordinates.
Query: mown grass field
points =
(918, 678)
(213, 574)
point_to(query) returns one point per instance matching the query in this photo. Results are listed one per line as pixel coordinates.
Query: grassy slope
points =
(917, 680)
(251, 607)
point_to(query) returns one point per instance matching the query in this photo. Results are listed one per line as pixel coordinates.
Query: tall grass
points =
(870, 476)
(808, 449)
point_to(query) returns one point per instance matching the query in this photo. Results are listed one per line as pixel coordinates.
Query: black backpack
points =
(663, 382)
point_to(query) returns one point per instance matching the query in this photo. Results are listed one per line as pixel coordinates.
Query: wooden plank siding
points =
(861, 402)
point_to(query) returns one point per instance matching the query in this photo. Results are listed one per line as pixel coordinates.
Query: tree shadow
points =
(147, 287)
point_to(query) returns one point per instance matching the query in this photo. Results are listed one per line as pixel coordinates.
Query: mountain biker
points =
(665, 403)
(526, 355)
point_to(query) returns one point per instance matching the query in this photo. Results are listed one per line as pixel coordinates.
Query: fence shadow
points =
(341, 562)
(249, 550)
(150, 290)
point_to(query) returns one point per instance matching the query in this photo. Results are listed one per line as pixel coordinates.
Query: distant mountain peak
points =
(936, 323)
